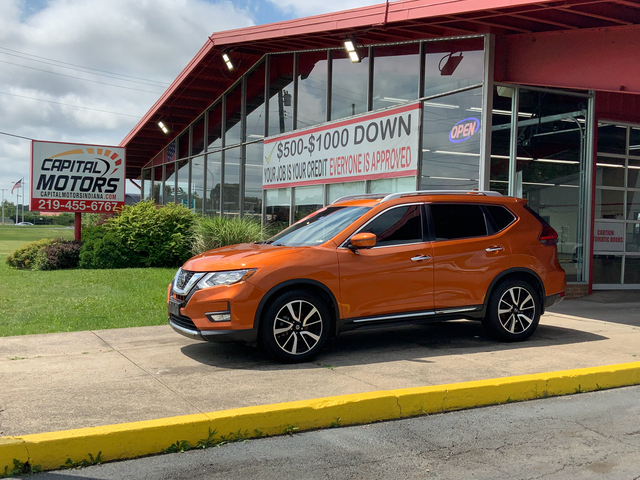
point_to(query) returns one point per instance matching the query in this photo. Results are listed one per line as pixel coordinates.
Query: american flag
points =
(171, 151)
(18, 184)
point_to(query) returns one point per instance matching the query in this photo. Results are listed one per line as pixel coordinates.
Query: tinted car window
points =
(397, 226)
(452, 221)
(501, 216)
(318, 227)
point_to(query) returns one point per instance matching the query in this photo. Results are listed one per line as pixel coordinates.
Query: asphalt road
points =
(586, 436)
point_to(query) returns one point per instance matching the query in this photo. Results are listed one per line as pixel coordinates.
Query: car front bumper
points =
(216, 336)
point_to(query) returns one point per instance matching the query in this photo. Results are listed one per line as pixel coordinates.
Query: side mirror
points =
(362, 240)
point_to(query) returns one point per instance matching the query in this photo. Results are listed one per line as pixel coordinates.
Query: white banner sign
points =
(608, 237)
(69, 177)
(378, 145)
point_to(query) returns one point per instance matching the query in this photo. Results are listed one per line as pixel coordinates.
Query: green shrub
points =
(142, 235)
(26, 256)
(93, 219)
(104, 249)
(161, 237)
(215, 232)
(59, 255)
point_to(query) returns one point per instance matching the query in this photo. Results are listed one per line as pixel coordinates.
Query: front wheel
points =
(513, 312)
(295, 327)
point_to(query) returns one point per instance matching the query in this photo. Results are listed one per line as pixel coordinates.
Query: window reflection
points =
(349, 85)
(197, 184)
(232, 156)
(307, 200)
(501, 138)
(454, 64)
(278, 207)
(281, 94)
(451, 141)
(337, 190)
(213, 161)
(396, 74)
(312, 89)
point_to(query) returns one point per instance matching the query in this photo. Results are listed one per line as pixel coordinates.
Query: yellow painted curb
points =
(130, 440)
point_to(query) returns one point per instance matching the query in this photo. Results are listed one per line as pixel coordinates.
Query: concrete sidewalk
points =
(74, 380)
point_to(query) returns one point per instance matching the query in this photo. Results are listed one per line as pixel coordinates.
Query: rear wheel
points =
(295, 327)
(513, 312)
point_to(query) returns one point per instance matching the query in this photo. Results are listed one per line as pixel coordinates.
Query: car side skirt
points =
(472, 312)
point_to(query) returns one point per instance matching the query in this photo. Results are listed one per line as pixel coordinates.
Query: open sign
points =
(464, 130)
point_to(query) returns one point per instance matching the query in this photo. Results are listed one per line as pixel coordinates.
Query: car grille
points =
(184, 322)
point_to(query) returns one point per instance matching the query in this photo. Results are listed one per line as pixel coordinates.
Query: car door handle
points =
(419, 258)
(494, 248)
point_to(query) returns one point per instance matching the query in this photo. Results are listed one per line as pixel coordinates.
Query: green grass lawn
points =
(75, 300)
(12, 237)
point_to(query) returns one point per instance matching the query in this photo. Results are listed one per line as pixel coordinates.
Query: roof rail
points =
(360, 196)
(487, 193)
(385, 197)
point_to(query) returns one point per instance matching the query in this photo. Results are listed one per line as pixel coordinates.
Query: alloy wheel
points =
(297, 327)
(516, 310)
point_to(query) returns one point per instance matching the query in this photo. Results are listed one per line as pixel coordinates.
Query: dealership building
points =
(535, 99)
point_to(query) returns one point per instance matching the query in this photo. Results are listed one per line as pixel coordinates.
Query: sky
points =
(86, 71)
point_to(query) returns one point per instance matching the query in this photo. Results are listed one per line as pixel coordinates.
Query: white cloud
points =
(147, 39)
(144, 39)
(304, 8)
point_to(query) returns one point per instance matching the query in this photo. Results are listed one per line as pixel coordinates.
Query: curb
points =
(129, 440)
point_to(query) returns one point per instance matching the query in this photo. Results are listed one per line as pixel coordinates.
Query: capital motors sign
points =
(464, 130)
(69, 177)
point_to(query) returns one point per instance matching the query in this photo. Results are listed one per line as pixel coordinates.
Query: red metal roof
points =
(206, 77)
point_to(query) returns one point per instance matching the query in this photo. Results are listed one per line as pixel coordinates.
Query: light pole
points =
(3, 190)
(17, 208)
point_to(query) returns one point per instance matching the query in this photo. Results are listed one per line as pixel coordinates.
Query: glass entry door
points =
(545, 161)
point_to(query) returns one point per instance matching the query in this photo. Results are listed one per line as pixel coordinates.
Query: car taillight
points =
(548, 237)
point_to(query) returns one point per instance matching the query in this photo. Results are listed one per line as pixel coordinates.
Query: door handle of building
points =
(419, 258)
(494, 248)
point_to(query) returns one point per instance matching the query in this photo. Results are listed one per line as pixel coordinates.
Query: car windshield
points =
(318, 227)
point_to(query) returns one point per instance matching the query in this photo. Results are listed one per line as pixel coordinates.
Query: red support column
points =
(78, 225)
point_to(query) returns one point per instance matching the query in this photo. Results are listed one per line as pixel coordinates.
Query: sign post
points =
(77, 178)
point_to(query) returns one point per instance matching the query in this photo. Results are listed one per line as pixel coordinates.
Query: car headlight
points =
(214, 279)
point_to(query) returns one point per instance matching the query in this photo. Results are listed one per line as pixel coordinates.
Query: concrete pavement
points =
(82, 379)
(76, 380)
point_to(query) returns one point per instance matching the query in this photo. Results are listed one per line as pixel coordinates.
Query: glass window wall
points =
(255, 121)
(183, 187)
(278, 206)
(501, 138)
(183, 145)
(616, 252)
(281, 94)
(451, 141)
(312, 89)
(225, 169)
(396, 74)
(213, 162)
(338, 190)
(453, 64)
(232, 156)
(349, 85)
(307, 200)
(392, 185)
(147, 185)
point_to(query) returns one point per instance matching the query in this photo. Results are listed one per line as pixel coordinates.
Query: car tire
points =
(513, 311)
(295, 327)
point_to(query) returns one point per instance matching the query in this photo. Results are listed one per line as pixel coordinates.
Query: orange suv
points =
(375, 260)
